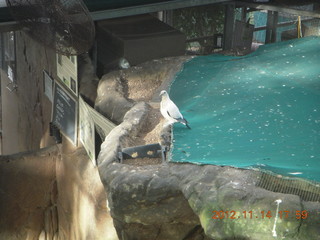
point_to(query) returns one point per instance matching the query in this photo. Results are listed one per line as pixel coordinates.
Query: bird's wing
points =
(173, 110)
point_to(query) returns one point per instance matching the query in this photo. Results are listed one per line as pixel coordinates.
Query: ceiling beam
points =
(9, 26)
(276, 8)
(176, 4)
(149, 8)
(129, 11)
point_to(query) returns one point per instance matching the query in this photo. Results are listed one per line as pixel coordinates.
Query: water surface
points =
(261, 110)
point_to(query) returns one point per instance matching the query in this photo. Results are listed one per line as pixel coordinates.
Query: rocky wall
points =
(54, 192)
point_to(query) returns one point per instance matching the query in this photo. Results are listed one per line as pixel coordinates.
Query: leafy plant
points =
(200, 24)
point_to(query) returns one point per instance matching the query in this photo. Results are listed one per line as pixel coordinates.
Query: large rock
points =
(145, 202)
(111, 100)
(88, 81)
(119, 90)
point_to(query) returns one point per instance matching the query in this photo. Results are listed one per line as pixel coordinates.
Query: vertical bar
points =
(299, 27)
(169, 17)
(228, 26)
(274, 27)
(160, 15)
(271, 32)
(269, 27)
(244, 14)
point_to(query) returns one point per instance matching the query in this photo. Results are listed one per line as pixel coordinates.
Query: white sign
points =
(65, 112)
(87, 130)
(67, 72)
(10, 73)
(48, 86)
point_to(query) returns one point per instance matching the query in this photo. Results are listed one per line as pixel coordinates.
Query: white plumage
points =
(123, 63)
(170, 111)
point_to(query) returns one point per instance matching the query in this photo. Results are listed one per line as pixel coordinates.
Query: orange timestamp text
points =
(259, 215)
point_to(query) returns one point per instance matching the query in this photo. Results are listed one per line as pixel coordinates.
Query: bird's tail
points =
(185, 122)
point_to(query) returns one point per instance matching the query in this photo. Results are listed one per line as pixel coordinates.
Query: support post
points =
(269, 27)
(244, 14)
(271, 32)
(228, 26)
(274, 27)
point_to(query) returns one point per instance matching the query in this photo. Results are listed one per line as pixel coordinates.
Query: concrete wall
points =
(9, 105)
(26, 112)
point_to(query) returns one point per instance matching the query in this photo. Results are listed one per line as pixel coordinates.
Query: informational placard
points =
(67, 72)
(87, 130)
(90, 122)
(48, 85)
(64, 113)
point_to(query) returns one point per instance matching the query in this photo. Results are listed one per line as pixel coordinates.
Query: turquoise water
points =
(261, 110)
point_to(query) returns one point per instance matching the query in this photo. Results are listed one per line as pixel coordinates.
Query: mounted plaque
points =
(64, 113)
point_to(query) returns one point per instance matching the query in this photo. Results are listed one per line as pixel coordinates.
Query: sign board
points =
(10, 74)
(64, 113)
(87, 130)
(48, 86)
(91, 123)
(67, 72)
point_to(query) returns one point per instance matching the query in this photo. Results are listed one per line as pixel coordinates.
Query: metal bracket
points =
(150, 150)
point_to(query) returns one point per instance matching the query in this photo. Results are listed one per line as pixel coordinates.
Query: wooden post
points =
(244, 14)
(228, 26)
(274, 27)
(271, 32)
(269, 27)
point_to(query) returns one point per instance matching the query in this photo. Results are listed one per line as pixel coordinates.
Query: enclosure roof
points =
(105, 9)
(115, 8)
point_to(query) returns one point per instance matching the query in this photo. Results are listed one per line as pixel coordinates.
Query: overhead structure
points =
(113, 9)
(63, 25)
(107, 9)
(280, 8)
(66, 22)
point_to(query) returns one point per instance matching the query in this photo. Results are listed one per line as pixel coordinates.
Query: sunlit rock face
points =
(23, 201)
(52, 193)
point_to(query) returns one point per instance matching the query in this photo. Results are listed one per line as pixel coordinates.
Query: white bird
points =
(170, 111)
(123, 63)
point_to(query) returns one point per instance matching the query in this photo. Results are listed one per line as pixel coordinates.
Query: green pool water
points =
(257, 111)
